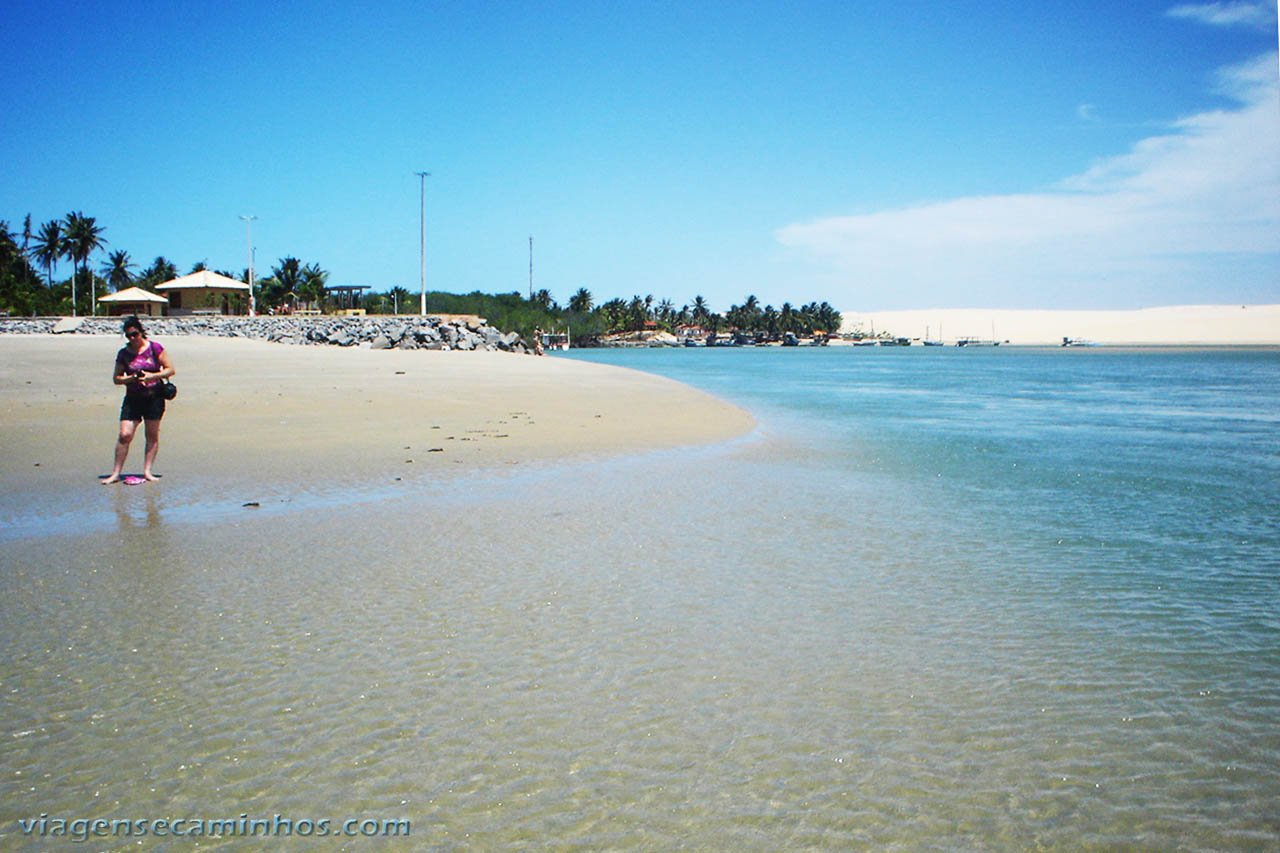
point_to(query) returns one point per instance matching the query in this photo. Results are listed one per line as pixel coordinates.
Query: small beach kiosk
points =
(133, 300)
(347, 298)
(206, 292)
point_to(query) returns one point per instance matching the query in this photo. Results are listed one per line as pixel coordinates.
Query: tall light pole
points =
(422, 252)
(248, 245)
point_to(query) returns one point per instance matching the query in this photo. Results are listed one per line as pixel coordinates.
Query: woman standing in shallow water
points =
(141, 367)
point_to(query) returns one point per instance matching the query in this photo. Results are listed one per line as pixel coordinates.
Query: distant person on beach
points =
(141, 367)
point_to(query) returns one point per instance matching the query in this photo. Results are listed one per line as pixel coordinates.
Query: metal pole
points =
(248, 246)
(422, 250)
(530, 267)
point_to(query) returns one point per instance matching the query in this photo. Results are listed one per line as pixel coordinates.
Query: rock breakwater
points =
(430, 333)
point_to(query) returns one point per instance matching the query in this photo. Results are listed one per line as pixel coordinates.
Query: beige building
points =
(206, 292)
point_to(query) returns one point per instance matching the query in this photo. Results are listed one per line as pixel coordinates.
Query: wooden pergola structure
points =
(346, 297)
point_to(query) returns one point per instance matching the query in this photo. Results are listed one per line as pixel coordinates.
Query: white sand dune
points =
(1237, 325)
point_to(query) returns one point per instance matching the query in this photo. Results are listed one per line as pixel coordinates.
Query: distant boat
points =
(979, 342)
(789, 339)
(930, 342)
(895, 342)
(1077, 342)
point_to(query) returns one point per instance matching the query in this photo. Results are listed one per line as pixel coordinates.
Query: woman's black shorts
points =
(137, 407)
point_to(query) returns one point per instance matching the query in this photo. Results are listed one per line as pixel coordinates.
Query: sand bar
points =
(1179, 325)
(253, 412)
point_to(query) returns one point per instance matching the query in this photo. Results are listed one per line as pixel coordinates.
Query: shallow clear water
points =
(998, 599)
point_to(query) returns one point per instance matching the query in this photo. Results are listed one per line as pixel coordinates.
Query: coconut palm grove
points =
(61, 267)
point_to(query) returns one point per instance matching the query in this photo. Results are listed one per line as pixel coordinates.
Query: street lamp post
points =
(248, 244)
(422, 250)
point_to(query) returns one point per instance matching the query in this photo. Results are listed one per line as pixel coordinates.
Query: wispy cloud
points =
(1258, 15)
(1128, 230)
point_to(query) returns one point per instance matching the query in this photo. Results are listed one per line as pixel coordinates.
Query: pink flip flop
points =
(133, 481)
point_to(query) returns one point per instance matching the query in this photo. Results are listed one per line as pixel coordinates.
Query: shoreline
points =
(254, 418)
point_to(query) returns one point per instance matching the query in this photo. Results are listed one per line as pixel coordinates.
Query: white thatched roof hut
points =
(133, 300)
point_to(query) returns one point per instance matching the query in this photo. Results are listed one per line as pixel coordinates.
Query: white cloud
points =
(1178, 215)
(1259, 15)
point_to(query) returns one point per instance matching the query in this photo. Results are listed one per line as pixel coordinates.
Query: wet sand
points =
(255, 413)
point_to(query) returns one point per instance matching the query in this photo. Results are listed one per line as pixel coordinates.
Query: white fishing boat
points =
(556, 341)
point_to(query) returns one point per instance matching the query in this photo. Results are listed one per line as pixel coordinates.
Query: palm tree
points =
(48, 247)
(614, 313)
(751, 313)
(789, 320)
(700, 312)
(118, 270)
(84, 237)
(312, 286)
(399, 296)
(830, 317)
(289, 273)
(160, 271)
(580, 301)
(666, 312)
(638, 312)
(543, 300)
(12, 283)
(772, 328)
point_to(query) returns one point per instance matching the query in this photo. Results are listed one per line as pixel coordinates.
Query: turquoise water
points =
(1097, 533)
(940, 599)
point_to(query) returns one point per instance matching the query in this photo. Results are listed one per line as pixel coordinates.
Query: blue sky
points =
(875, 155)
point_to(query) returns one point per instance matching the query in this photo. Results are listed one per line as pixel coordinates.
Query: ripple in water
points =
(888, 627)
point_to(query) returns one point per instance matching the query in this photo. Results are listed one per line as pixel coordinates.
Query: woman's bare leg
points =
(152, 430)
(127, 429)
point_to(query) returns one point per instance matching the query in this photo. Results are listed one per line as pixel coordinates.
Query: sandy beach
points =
(1179, 325)
(255, 413)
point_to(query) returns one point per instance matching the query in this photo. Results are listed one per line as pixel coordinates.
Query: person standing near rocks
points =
(141, 367)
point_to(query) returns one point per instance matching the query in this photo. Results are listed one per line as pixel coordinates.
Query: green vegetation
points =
(586, 321)
(29, 264)
(28, 286)
(75, 238)
(506, 311)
